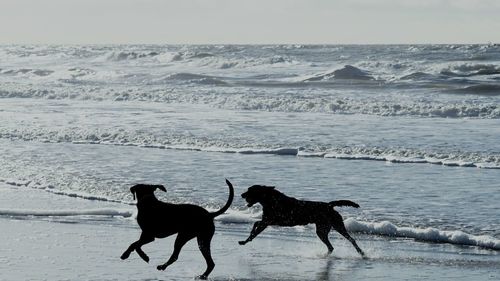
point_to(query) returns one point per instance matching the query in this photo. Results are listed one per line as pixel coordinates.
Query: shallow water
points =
(407, 195)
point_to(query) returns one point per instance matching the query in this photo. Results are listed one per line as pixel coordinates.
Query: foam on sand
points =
(65, 213)
(386, 228)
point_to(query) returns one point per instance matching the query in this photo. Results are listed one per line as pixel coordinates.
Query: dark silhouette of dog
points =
(281, 210)
(160, 219)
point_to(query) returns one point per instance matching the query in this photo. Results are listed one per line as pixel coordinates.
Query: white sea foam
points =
(83, 195)
(238, 217)
(52, 188)
(386, 228)
(333, 104)
(399, 156)
(181, 142)
(211, 60)
(64, 213)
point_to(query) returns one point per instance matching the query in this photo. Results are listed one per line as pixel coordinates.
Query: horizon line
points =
(247, 44)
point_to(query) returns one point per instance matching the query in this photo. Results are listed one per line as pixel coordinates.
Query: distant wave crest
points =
(123, 55)
(193, 78)
(468, 70)
(26, 71)
(347, 72)
(480, 89)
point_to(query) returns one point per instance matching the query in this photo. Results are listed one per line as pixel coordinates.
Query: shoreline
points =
(88, 248)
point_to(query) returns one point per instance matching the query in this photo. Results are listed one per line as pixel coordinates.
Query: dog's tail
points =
(341, 203)
(228, 203)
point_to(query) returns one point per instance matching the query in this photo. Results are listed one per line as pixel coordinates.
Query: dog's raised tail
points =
(341, 203)
(228, 203)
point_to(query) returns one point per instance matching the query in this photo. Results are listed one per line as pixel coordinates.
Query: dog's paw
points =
(202, 277)
(125, 256)
(161, 267)
(242, 242)
(327, 255)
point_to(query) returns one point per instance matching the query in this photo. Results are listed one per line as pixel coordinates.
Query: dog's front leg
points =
(144, 239)
(258, 227)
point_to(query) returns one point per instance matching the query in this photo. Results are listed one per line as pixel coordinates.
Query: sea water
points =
(410, 132)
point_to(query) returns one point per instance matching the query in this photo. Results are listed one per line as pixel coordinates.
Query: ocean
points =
(409, 132)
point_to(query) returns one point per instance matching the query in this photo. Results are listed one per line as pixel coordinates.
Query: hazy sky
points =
(251, 21)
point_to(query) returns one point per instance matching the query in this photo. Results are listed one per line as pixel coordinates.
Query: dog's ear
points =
(162, 188)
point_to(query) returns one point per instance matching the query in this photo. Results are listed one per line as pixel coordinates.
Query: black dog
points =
(159, 219)
(279, 209)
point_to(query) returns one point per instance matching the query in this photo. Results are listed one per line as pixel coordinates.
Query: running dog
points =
(159, 219)
(279, 209)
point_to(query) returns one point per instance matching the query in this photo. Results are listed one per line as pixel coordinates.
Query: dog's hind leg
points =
(144, 239)
(340, 228)
(322, 231)
(204, 245)
(180, 241)
(258, 227)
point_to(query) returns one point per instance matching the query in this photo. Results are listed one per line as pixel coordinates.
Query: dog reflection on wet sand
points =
(281, 210)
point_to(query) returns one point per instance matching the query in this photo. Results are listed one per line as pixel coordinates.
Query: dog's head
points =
(257, 193)
(142, 190)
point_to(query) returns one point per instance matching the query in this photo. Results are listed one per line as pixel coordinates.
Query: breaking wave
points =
(468, 70)
(275, 103)
(193, 78)
(433, 235)
(26, 71)
(182, 142)
(122, 55)
(221, 61)
(481, 89)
